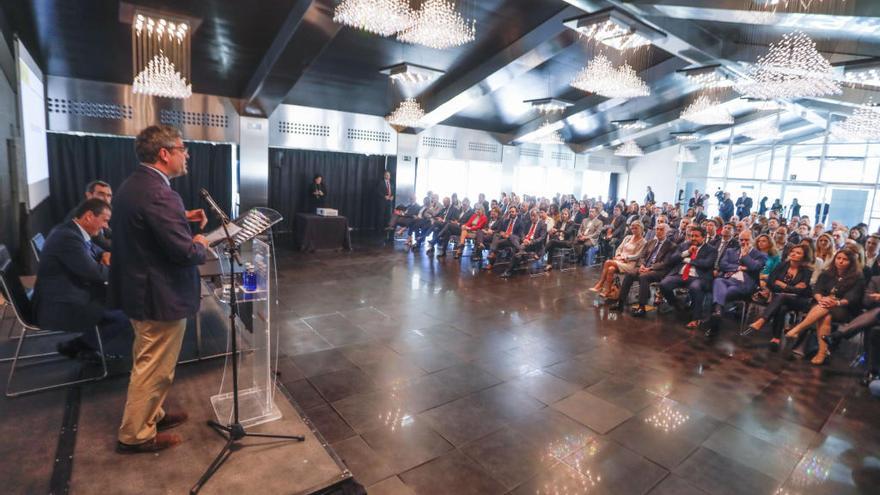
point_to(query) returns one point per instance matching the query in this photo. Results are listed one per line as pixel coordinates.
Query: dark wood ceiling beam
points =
(305, 34)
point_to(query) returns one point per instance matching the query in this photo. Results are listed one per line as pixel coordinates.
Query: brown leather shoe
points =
(161, 441)
(171, 420)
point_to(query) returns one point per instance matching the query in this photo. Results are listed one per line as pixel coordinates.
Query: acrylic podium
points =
(257, 344)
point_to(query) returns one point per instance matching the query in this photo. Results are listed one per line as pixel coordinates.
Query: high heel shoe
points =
(820, 359)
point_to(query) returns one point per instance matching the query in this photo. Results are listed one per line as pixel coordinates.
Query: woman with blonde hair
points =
(625, 258)
(824, 253)
(764, 243)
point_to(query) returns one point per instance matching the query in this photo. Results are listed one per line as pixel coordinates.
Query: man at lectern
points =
(154, 279)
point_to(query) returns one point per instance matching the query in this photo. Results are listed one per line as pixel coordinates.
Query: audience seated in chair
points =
(71, 282)
(736, 279)
(693, 271)
(653, 266)
(532, 245)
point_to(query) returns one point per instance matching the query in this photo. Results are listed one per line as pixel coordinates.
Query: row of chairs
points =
(16, 294)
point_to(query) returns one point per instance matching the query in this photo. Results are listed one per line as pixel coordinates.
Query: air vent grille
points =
(556, 155)
(435, 142)
(111, 111)
(532, 152)
(304, 129)
(483, 147)
(368, 135)
(201, 119)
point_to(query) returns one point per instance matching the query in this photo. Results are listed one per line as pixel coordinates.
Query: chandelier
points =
(629, 125)
(382, 17)
(764, 130)
(793, 68)
(546, 106)
(861, 125)
(161, 57)
(547, 134)
(707, 111)
(685, 155)
(408, 114)
(438, 25)
(629, 149)
(600, 77)
(870, 77)
(617, 36)
(708, 77)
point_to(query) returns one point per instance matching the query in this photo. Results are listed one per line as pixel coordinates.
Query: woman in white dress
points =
(625, 259)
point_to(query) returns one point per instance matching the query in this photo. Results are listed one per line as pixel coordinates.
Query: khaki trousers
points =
(155, 352)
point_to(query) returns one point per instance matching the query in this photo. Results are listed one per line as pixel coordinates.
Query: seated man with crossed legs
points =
(694, 271)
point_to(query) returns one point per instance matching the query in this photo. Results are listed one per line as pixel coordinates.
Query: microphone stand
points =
(234, 431)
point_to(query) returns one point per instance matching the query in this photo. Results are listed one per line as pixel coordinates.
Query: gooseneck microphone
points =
(213, 204)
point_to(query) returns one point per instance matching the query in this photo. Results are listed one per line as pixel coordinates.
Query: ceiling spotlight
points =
(685, 137)
(708, 77)
(629, 149)
(632, 124)
(549, 105)
(615, 29)
(406, 73)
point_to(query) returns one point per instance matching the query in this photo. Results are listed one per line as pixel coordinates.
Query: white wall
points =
(658, 170)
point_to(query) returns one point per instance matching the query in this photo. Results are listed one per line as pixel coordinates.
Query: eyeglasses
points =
(183, 149)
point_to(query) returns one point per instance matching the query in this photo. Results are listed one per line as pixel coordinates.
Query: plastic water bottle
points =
(249, 279)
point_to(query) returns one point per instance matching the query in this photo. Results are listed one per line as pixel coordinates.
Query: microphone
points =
(213, 204)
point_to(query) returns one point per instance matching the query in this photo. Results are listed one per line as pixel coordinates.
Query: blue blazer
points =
(154, 270)
(69, 280)
(754, 262)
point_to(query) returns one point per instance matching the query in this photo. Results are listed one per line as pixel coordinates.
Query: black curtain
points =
(352, 183)
(74, 161)
(612, 187)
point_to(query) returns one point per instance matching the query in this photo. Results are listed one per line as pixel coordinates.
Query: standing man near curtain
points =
(154, 279)
(386, 191)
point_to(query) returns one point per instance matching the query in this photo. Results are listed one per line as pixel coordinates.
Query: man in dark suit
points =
(560, 236)
(531, 245)
(71, 282)
(743, 206)
(100, 190)
(154, 279)
(693, 269)
(655, 264)
(453, 227)
(737, 275)
(385, 193)
(725, 207)
(446, 212)
(508, 236)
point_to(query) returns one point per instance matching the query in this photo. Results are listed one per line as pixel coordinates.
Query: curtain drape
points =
(353, 184)
(612, 187)
(75, 160)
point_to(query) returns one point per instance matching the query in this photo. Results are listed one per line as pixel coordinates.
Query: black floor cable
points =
(63, 467)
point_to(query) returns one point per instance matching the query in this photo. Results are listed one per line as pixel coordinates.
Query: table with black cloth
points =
(315, 232)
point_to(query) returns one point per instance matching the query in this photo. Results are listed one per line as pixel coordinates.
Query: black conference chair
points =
(15, 295)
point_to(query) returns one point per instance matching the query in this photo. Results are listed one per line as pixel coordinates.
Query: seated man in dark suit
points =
(453, 227)
(507, 236)
(100, 190)
(693, 269)
(655, 264)
(71, 282)
(532, 244)
(561, 236)
(738, 275)
(446, 213)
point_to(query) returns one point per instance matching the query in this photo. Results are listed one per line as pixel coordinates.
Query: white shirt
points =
(86, 236)
(161, 174)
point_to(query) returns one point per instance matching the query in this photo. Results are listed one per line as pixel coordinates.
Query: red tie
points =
(510, 226)
(387, 188)
(531, 232)
(687, 267)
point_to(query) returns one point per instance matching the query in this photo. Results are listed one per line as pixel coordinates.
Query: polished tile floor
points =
(429, 377)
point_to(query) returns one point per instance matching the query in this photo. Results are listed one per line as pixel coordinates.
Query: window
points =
(442, 177)
(807, 196)
(718, 163)
(804, 163)
(484, 177)
(559, 180)
(742, 163)
(529, 180)
(595, 184)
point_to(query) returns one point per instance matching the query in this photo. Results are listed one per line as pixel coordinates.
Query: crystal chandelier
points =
(161, 57)
(685, 137)
(546, 106)
(615, 35)
(408, 114)
(707, 111)
(547, 134)
(438, 25)
(793, 68)
(764, 130)
(629, 149)
(870, 77)
(629, 125)
(709, 77)
(685, 155)
(600, 77)
(861, 125)
(382, 17)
